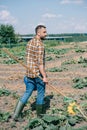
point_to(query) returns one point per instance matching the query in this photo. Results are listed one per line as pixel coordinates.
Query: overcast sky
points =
(59, 16)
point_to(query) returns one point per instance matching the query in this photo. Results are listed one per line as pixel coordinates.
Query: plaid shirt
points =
(35, 57)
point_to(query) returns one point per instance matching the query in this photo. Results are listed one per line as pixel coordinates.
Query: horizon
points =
(54, 34)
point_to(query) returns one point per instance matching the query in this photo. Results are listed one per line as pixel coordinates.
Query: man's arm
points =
(42, 71)
(41, 63)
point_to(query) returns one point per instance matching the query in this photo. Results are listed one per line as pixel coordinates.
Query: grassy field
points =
(66, 66)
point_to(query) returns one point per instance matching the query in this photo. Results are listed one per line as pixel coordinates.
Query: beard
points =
(42, 38)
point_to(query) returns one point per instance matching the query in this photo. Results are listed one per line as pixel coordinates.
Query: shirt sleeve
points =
(40, 55)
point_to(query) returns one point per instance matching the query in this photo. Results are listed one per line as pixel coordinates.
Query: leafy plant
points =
(49, 58)
(49, 122)
(79, 50)
(17, 52)
(80, 82)
(83, 97)
(51, 43)
(82, 60)
(72, 121)
(69, 62)
(15, 95)
(57, 51)
(84, 65)
(80, 128)
(4, 116)
(4, 92)
(3, 55)
(9, 61)
(34, 123)
(55, 69)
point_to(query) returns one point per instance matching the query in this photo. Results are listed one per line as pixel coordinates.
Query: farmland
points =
(66, 66)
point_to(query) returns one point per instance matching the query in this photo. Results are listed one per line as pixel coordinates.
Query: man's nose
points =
(46, 34)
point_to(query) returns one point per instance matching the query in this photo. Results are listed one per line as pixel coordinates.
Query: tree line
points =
(8, 35)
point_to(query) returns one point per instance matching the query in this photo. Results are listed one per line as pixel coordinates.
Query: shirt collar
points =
(37, 38)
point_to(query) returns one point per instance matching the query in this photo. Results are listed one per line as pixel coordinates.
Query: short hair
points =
(39, 27)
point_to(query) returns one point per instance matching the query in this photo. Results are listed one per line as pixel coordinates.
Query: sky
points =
(59, 16)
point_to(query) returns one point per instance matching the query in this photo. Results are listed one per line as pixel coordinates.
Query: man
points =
(36, 64)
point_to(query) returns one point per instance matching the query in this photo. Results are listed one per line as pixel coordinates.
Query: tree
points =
(7, 34)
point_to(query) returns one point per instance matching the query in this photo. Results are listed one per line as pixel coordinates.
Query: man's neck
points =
(38, 37)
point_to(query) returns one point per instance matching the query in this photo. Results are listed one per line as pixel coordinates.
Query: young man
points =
(36, 63)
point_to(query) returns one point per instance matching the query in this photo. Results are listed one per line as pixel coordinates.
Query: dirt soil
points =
(11, 78)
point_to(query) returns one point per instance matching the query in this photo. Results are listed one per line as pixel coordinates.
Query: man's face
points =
(42, 33)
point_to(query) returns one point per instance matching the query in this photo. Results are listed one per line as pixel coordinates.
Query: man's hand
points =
(43, 73)
(45, 80)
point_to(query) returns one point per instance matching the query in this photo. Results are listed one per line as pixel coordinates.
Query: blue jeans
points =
(31, 85)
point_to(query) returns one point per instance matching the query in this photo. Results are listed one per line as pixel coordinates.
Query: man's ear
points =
(38, 33)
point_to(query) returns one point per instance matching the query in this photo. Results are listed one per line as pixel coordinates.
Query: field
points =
(66, 66)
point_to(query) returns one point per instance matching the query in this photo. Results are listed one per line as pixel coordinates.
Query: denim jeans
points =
(31, 85)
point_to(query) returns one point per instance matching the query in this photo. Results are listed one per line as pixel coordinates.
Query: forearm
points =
(42, 71)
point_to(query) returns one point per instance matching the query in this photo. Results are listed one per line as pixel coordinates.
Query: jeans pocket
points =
(28, 80)
(40, 81)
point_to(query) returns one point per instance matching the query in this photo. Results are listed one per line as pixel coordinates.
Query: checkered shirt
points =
(35, 56)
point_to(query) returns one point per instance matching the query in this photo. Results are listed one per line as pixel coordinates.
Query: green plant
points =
(49, 58)
(80, 82)
(15, 95)
(9, 61)
(4, 116)
(57, 51)
(55, 69)
(72, 61)
(51, 43)
(79, 50)
(4, 92)
(82, 60)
